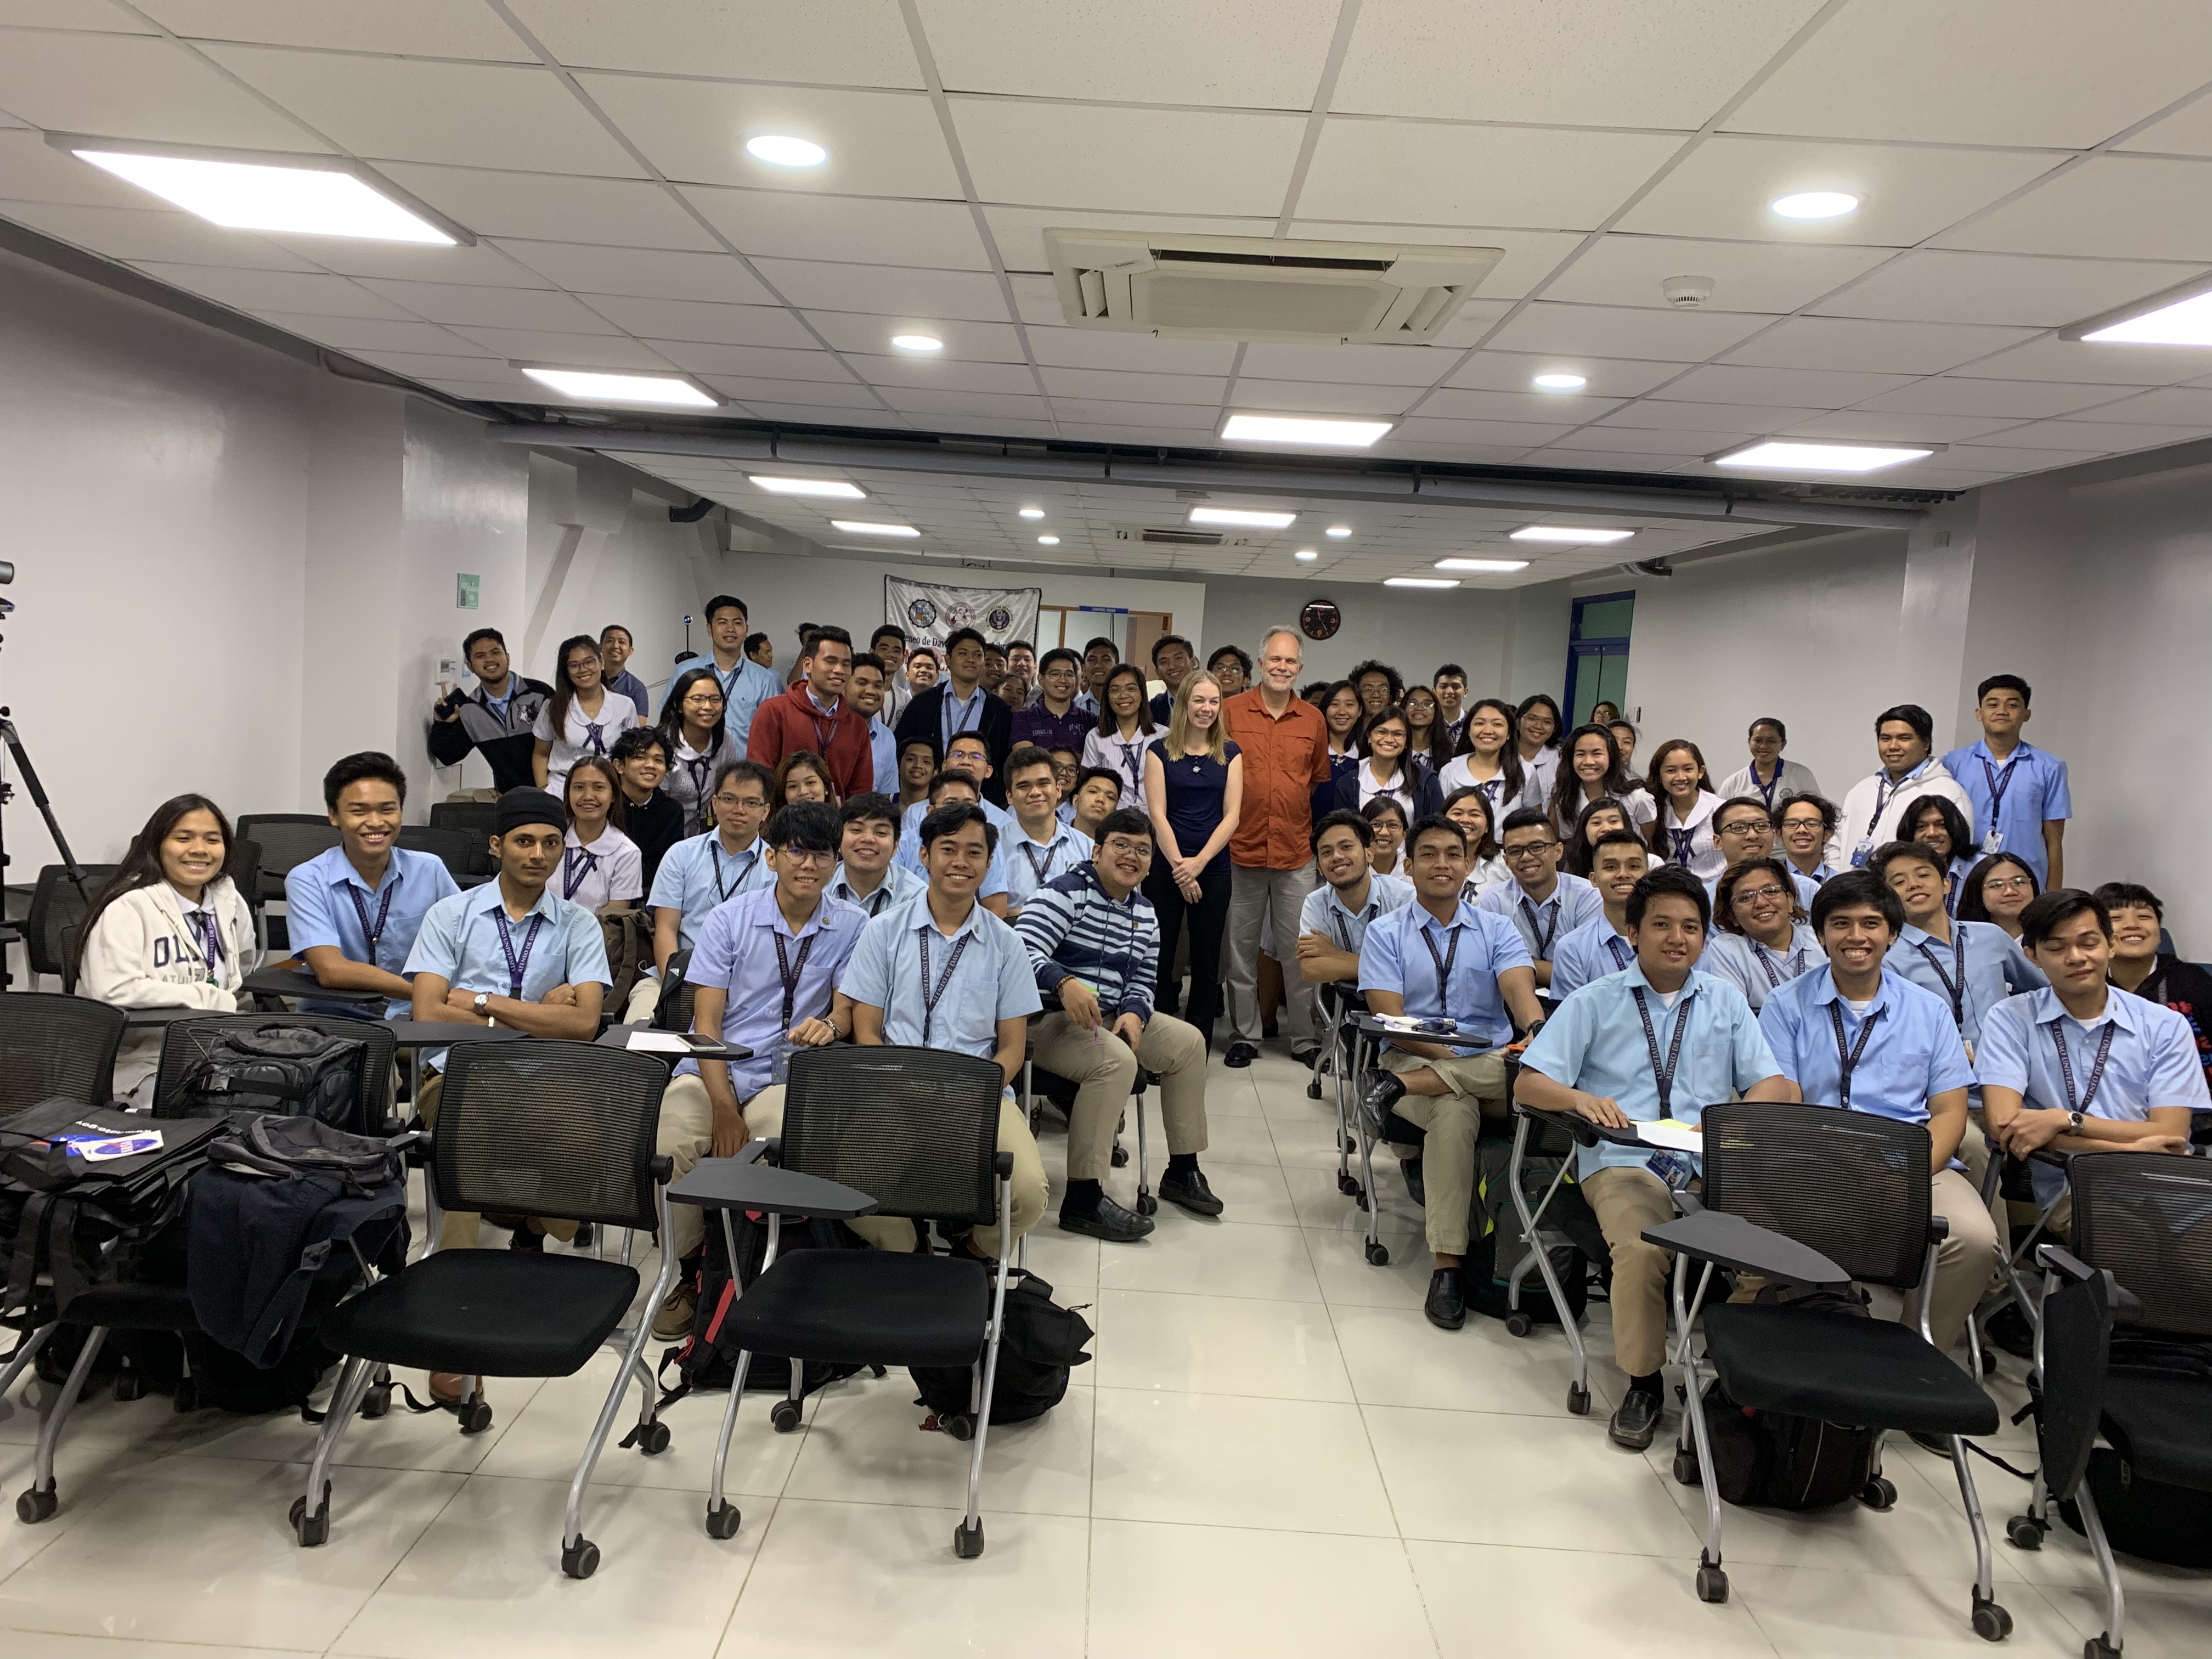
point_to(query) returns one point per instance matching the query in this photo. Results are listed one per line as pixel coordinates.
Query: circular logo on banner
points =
(1320, 619)
(922, 613)
(958, 613)
(999, 620)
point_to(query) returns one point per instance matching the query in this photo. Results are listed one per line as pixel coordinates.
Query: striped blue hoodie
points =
(1070, 927)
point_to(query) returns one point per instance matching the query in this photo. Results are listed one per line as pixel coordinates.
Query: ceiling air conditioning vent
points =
(1256, 287)
(1182, 537)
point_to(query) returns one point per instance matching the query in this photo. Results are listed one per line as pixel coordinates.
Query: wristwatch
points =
(2072, 1123)
(1534, 1026)
(483, 1004)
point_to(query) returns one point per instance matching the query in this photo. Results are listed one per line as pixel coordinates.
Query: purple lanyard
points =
(209, 935)
(789, 975)
(1955, 990)
(1622, 952)
(931, 997)
(1847, 1059)
(715, 851)
(576, 864)
(1051, 852)
(517, 966)
(1795, 961)
(1682, 840)
(1999, 781)
(1662, 1073)
(373, 931)
(1543, 951)
(1883, 790)
(2096, 1068)
(1443, 966)
(593, 739)
(1767, 790)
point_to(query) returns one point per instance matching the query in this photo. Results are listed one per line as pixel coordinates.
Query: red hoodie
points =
(785, 725)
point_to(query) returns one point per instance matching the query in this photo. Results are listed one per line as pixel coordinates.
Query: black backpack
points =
(707, 1358)
(288, 1147)
(1043, 1342)
(1772, 1460)
(1498, 1243)
(294, 1070)
(2154, 1519)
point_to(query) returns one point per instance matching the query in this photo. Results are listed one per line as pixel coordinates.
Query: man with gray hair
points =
(1284, 743)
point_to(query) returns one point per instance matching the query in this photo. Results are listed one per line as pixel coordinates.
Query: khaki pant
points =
(1975, 1152)
(644, 1000)
(1254, 894)
(458, 1230)
(1103, 1068)
(1626, 1200)
(1477, 1091)
(686, 1106)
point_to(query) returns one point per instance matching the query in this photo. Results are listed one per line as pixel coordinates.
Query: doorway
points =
(1597, 653)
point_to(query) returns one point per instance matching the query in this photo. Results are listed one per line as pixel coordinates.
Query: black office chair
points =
(900, 1132)
(476, 818)
(184, 1042)
(56, 1047)
(1807, 1194)
(56, 910)
(559, 1129)
(283, 841)
(466, 855)
(2142, 1261)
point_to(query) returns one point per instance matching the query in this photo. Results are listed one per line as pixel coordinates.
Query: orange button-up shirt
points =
(1284, 756)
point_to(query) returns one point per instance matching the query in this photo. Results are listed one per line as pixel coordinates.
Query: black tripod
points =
(9, 932)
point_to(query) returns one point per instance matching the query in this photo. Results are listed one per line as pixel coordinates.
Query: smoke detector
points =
(1687, 293)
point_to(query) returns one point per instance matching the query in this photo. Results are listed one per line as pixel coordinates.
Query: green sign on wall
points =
(466, 595)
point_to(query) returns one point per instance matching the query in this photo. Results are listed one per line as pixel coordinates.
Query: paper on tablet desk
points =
(658, 1042)
(1674, 1137)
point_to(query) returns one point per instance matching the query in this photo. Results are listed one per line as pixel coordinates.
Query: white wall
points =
(1413, 630)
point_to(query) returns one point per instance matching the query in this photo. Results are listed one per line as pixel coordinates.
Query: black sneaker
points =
(1190, 1192)
(1110, 1221)
(1241, 1054)
(1634, 1419)
(1416, 1189)
(1379, 1090)
(1446, 1306)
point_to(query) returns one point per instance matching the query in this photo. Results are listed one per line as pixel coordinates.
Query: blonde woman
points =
(1194, 791)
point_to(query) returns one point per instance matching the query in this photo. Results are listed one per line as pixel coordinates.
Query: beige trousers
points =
(1625, 1202)
(1103, 1068)
(1478, 1086)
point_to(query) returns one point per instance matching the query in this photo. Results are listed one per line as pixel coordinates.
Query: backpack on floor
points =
(1498, 1243)
(2150, 1518)
(1043, 1342)
(1773, 1460)
(294, 1070)
(708, 1359)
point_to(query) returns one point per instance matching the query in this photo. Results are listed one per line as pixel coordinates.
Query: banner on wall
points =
(930, 611)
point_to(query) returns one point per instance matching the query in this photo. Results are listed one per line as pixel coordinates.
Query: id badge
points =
(1861, 852)
(1675, 1168)
(1993, 841)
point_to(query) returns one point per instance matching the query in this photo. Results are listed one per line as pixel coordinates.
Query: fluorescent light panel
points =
(2164, 321)
(1337, 532)
(1311, 431)
(1573, 535)
(1487, 567)
(1048, 541)
(1797, 455)
(1241, 517)
(1305, 556)
(298, 199)
(865, 527)
(834, 487)
(1032, 513)
(1420, 582)
(598, 386)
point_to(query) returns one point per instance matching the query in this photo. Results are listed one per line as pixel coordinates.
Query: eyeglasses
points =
(1527, 849)
(752, 801)
(1758, 895)
(1805, 824)
(2008, 885)
(1745, 827)
(806, 857)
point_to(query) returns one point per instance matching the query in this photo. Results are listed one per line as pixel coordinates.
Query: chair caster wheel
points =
(187, 1396)
(967, 1540)
(33, 1506)
(1519, 1324)
(877, 1371)
(1348, 1185)
(580, 1559)
(1992, 1622)
(130, 1386)
(476, 1416)
(377, 1402)
(1712, 1584)
(1147, 1205)
(652, 1439)
(313, 1530)
(2098, 1647)
(1687, 1472)
(1378, 1254)
(1879, 1493)
(2023, 1532)
(784, 1416)
(582, 1241)
(960, 1425)
(1120, 1157)
(722, 1520)
(1313, 1089)
(1578, 1400)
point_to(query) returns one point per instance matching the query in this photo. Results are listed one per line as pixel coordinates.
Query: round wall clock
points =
(1320, 619)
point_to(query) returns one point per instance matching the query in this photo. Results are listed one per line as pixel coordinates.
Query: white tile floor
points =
(1274, 1455)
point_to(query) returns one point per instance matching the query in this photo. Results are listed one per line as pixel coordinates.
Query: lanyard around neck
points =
(1663, 1072)
(1847, 1059)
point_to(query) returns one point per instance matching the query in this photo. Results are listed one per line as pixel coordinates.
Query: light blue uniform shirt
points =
(1591, 952)
(898, 886)
(1394, 958)
(1324, 911)
(737, 951)
(910, 845)
(318, 912)
(2034, 782)
(1912, 1053)
(745, 689)
(1807, 889)
(1996, 968)
(992, 980)
(1541, 926)
(1596, 1044)
(460, 942)
(1028, 867)
(699, 872)
(883, 751)
(1757, 971)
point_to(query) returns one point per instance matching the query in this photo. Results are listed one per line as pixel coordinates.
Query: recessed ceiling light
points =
(300, 199)
(782, 150)
(865, 527)
(1313, 431)
(1559, 382)
(836, 487)
(1815, 205)
(2167, 319)
(1492, 566)
(1032, 513)
(1786, 454)
(1338, 531)
(1305, 556)
(1048, 541)
(1420, 582)
(1241, 517)
(917, 343)
(1570, 533)
(598, 386)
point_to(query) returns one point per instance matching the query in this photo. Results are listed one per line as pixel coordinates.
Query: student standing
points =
(601, 867)
(1543, 905)
(583, 717)
(704, 870)
(1765, 937)
(1379, 686)
(1592, 771)
(1173, 657)
(1486, 758)
(1601, 945)
(1340, 711)
(2140, 966)
(1426, 744)
(887, 644)
(967, 756)
(1536, 728)
(1599, 818)
(815, 716)
(865, 687)
(1743, 830)
(744, 684)
(1333, 926)
(1902, 737)
(1936, 822)
(867, 876)
(1469, 808)
(1624, 739)
(961, 704)
(2019, 800)
(169, 929)
(495, 719)
(919, 759)
(1125, 731)
(1854, 1035)
(1655, 1040)
(923, 666)
(1053, 721)
(1038, 848)
(1804, 825)
(1194, 783)
(1384, 769)
(1231, 665)
(1387, 820)
(616, 649)
(1769, 777)
(352, 912)
(651, 816)
(1450, 683)
(1440, 958)
(760, 648)
(1682, 832)
(699, 743)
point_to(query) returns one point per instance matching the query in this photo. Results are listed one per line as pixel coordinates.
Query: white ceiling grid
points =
(2023, 166)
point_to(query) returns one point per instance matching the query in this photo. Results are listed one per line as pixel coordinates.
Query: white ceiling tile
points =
(1434, 429)
(1887, 425)
(1569, 407)
(426, 366)
(415, 28)
(369, 334)
(1530, 255)
(103, 16)
(855, 43)
(915, 400)
(880, 143)
(1650, 440)
(1019, 231)
(1763, 277)
(859, 230)
(1880, 348)
(1104, 348)
(950, 375)
(2119, 207)
(750, 388)
(2187, 131)
(2081, 363)
(699, 320)
(2190, 406)
(33, 171)
(1180, 419)
(1608, 377)
(1908, 192)
(2049, 72)
(706, 358)
(967, 296)
(1260, 54)
(139, 233)
(651, 273)
(1319, 398)
(492, 307)
(1625, 332)
(550, 207)
(1932, 286)
(484, 115)
(2089, 435)
(1081, 156)
(1141, 388)
(483, 264)
(853, 330)
(1976, 457)
(1360, 365)
(258, 291)
(2021, 400)
(118, 86)
(1405, 172)
(530, 345)
(1822, 388)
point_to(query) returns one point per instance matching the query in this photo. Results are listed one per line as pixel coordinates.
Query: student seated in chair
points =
(701, 871)
(1039, 849)
(941, 971)
(352, 912)
(1333, 922)
(1857, 1034)
(1601, 945)
(1743, 829)
(1764, 935)
(1094, 943)
(763, 975)
(1440, 958)
(1660, 1039)
(867, 875)
(1543, 905)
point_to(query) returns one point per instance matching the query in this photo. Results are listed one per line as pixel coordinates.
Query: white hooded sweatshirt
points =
(141, 953)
